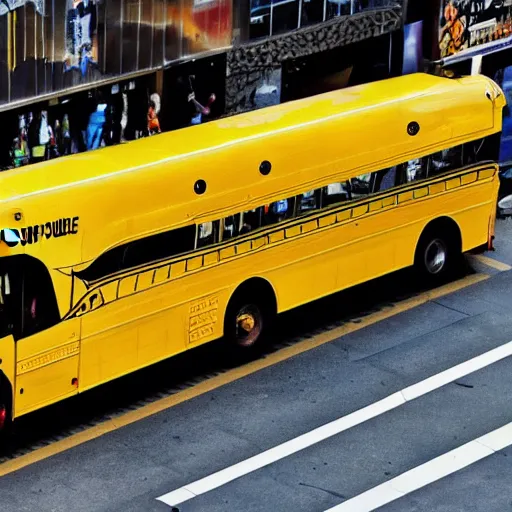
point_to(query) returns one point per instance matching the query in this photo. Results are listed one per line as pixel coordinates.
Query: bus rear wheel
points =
(437, 255)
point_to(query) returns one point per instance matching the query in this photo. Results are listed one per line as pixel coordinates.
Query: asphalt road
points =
(129, 468)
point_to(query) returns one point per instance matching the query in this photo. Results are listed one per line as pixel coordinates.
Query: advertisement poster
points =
(213, 20)
(468, 23)
(81, 35)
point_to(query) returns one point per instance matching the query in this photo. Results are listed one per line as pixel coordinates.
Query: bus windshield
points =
(27, 299)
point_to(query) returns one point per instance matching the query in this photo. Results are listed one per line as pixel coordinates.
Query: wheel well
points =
(446, 226)
(260, 288)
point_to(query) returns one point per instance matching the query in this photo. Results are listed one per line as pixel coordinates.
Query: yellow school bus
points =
(115, 259)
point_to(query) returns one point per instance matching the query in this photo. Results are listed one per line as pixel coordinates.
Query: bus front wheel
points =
(246, 325)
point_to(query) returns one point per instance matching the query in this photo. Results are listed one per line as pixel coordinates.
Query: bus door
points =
(46, 349)
(7, 353)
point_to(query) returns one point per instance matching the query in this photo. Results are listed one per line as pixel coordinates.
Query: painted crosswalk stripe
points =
(429, 472)
(335, 427)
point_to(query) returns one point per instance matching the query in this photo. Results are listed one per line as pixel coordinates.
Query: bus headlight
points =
(505, 205)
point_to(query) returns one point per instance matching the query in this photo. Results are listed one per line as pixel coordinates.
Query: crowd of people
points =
(103, 121)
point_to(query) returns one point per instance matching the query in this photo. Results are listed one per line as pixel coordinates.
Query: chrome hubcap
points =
(248, 325)
(435, 256)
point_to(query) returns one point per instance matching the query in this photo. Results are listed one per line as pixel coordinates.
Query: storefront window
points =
(259, 19)
(337, 8)
(284, 16)
(312, 12)
(50, 45)
(272, 17)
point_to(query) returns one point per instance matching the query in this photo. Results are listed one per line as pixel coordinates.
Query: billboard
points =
(50, 45)
(468, 23)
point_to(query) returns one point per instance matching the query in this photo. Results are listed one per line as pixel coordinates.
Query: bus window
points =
(278, 211)
(207, 234)
(445, 160)
(230, 226)
(27, 299)
(360, 186)
(250, 220)
(482, 150)
(157, 247)
(386, 179)
(416, 169)
(309, 201)
(335, 193)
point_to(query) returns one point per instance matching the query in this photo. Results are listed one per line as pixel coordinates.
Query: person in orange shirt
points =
(153, 122)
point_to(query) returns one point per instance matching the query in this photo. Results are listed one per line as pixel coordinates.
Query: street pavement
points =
(128, 469)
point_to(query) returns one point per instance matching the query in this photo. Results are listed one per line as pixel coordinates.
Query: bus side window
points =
(335, 193)
(482, 150)
(278, 211)
(158, 247)
(416, 169)
(309, 201)
(386, 179)
(250, 220)
(207, 234)
(360, 186)
(445, 160)
(230, 226)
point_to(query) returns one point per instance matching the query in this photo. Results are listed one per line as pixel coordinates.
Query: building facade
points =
(76, 74)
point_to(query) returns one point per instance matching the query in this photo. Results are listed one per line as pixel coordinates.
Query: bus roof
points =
(146, 152)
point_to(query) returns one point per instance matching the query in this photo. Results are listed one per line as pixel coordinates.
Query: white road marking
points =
(335, 427)
(433, 470)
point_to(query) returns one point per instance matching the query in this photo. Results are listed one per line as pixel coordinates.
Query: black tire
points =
(438, 255)
(247, 324)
